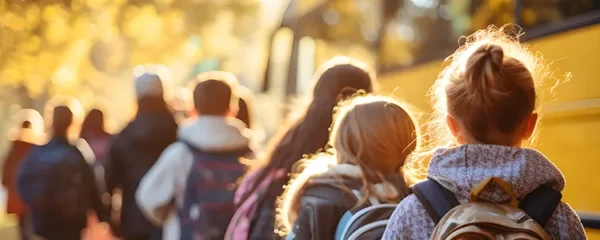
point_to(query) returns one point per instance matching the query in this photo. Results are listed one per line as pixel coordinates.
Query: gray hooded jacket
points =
(459, 169)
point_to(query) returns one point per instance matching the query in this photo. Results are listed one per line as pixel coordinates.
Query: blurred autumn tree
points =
(77, 47)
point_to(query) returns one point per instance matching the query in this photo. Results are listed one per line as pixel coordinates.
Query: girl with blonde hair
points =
(371, 137)
(485, 112)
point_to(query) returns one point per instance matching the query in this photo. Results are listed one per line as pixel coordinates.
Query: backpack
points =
(524, 220)
(239, 227)
(56, 185)
(209, 193)
(366, 222)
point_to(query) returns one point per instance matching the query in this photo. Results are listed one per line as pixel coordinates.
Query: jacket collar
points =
(461, 168)
(214, 133)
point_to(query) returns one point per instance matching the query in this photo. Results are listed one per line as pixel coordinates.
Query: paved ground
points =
(9, 233)
(8, 229)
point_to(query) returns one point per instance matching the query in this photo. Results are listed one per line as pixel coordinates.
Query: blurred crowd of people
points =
(342, 168)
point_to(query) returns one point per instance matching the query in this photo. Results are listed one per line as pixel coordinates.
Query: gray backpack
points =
(365, 222)
(518, 219)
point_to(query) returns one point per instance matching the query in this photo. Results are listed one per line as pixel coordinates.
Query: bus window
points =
(345, 21)
(427, 30)
(491, 12)
(422, 30)
(370, 17)
(281, 51)
(306, 64)
(327, 50)
(536, 13)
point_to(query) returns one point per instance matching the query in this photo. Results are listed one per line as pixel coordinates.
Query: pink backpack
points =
(239, 226)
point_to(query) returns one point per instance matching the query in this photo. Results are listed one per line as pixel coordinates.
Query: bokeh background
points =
(87, 49)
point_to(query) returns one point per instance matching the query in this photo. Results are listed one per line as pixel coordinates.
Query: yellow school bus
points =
(412, 37)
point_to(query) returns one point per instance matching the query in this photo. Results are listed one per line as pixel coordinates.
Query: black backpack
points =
(207, 205)
(437, 200)
(365, 222)
(55, 183)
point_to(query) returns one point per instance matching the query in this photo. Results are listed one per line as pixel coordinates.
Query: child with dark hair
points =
(133, 151)
(93, 131)
(308, 132)
(190, 189)
(57, 184)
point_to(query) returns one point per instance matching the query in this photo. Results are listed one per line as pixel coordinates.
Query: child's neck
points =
(493, 141)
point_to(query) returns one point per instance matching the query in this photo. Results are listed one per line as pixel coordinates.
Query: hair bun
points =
(496, 55)
(482, 66)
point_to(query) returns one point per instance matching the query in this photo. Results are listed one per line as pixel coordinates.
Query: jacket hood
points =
(459, 169)
(27, 136)
(213, 133)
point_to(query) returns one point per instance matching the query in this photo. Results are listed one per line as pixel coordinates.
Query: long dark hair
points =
(308, 133)
(93, 125)
(153, 104)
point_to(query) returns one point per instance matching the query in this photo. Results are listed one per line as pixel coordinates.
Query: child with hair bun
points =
(485, 112)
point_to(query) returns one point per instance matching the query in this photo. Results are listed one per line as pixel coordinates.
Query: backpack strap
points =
(541, 203)
(190, 146)
(436, 199)
(341, 229)
(242, 152)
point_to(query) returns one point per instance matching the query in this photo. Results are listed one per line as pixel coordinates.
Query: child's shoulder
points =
(410, 220)
(410, 207)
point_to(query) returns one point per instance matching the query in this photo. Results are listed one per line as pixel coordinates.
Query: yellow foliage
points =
(95, 4)
(13, 21)
(54, 12)
(63, 48)
(66, 75)
(57, 32)
(30, 45)
(32, 16)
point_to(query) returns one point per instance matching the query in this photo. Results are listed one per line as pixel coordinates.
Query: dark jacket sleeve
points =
(25, 177)
(112, 170)
(89, 180)
(172, 137)
(320, 211)
(9, 165)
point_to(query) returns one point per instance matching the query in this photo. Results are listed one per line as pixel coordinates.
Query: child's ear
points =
(452, 125)
(531, 124)
(232, 111)
(192, 113)
(456, 129)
